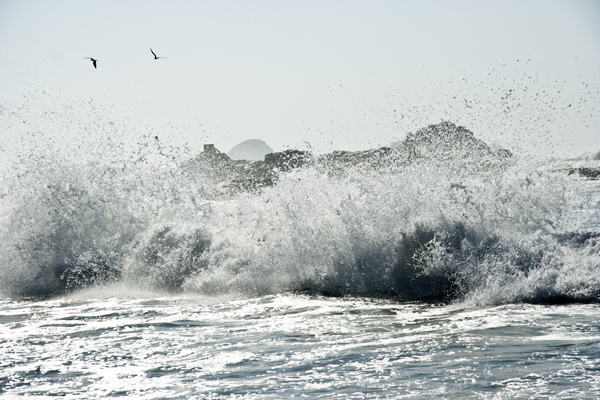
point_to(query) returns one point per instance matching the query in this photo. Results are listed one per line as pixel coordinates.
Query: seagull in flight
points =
(93, 61)
(154, 54)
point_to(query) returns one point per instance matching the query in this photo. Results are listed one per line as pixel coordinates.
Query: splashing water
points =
(445, 224)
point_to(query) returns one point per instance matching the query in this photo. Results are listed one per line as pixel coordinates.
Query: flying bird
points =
(154, 54)
(93, 61)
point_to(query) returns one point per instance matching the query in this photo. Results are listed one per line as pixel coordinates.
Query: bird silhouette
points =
(154, 54)
(93, 61)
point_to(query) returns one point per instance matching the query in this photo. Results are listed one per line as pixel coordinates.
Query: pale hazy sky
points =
(336, 74)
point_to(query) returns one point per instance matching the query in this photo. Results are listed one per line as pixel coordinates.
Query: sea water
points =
(293, 345)
(124, 275)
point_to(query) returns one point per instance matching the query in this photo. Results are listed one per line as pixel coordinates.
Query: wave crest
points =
(461, 226)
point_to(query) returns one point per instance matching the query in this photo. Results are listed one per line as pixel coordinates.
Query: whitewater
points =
(433, 268)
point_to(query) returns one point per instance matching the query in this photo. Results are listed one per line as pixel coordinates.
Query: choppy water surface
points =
(284, 346)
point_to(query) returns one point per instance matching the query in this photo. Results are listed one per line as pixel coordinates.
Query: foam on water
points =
(294, 345)
(453, 228)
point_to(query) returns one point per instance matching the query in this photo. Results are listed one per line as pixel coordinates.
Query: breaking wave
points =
(430, 220)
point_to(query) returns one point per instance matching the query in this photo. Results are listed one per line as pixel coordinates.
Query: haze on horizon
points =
(331, 75)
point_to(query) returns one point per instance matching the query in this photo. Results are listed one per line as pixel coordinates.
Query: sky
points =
(322, 75)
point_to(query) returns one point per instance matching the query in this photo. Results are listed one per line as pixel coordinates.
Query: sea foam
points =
(439, 218)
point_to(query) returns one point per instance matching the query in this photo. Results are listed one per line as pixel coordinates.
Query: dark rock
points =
(436, 143)
(590, 173)
(444, 141)
(368, 158)
(288, 159)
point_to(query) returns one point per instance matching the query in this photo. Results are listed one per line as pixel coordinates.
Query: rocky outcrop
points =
(368, 158)
(288, 159)
(590, 173)
(444, 141)
(436, 143)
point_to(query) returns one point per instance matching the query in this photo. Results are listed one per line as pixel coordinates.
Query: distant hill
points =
(251, 150)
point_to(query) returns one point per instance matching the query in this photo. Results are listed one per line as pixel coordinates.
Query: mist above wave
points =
(439, 216)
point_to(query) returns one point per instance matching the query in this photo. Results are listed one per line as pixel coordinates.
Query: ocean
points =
(438, 268)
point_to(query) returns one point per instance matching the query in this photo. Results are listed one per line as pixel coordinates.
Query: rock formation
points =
(436, 143)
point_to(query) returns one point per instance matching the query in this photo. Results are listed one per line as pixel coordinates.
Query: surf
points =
(437, 217)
